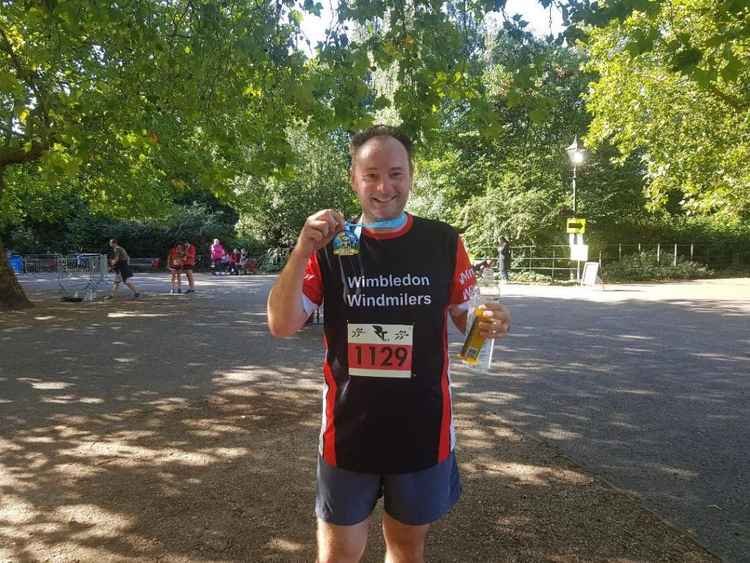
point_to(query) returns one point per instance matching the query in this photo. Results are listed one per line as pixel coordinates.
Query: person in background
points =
(243, 264)
(503, 258)
(188, 264)
(234, 262)
(217, 257)
(175, 263)
(120, 264)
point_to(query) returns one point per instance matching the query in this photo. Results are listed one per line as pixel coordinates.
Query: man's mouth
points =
(381, 200)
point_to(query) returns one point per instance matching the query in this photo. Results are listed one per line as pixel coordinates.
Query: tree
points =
(274, 209)
(135, 101)
(499, 166)
(672, 89)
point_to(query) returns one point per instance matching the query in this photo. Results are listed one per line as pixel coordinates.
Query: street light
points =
(576, 155)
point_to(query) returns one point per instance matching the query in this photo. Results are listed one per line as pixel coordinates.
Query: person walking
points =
(503, 258)
(120, 264)
(387, 426)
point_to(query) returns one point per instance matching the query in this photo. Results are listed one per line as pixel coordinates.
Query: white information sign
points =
(579, 252)
(590, 271)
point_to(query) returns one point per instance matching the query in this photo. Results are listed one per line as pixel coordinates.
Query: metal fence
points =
(79, 275)
(554, 260)
(39, 263)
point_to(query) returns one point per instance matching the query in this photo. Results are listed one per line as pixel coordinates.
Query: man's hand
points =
(494, 321)
(318, 230)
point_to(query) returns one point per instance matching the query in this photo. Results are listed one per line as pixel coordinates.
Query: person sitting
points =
(234, 262)
(229, 263)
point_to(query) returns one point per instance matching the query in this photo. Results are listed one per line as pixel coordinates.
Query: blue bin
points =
(16, 264)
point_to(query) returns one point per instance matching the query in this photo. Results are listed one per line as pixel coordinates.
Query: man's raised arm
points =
(286, 311)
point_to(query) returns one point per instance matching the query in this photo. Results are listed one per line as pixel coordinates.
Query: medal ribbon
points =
(356, 228)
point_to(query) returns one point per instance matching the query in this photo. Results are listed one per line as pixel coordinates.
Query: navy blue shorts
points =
(123, 270)
(345, 498)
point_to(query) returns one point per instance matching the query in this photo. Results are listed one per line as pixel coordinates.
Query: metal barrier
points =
(40, 263)
(79, 275)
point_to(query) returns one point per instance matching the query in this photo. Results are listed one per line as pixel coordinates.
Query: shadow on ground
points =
(176, 430)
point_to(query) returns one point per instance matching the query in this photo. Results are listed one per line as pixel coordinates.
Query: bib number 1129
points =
(380, 350)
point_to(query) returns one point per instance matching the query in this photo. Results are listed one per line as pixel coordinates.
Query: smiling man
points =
(389, 281)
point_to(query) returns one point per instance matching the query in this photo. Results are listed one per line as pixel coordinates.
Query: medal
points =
(346, 243)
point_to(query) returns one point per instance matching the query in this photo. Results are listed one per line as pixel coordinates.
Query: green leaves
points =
(681, 105)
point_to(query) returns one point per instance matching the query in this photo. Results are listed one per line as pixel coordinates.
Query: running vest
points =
(387, 403)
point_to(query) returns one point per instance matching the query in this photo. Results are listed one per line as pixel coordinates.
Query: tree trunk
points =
(12, 295)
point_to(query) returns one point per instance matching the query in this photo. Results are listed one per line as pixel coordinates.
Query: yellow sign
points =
(576, 226)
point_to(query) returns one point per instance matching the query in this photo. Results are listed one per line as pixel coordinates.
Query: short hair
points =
(365, 135)
(113, 241)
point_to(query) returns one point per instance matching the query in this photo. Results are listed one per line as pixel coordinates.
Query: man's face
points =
(381, 178)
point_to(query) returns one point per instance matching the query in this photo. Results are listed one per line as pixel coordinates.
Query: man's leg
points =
(404, 543)
(132, 288)
(191, 283)
(341, 544)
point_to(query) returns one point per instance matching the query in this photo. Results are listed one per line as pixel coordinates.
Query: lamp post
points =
(575, 153)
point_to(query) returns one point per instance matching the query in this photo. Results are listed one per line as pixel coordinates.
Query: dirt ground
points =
(175, 430)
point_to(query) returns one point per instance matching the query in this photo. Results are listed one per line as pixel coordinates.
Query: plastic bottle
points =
(476, 352)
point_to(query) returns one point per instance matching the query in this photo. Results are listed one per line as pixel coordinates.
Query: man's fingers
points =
(495, 320)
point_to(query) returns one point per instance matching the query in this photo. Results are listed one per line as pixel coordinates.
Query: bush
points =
(644, 266)
(530, 277)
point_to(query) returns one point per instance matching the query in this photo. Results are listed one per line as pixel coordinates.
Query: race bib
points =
(380, 350)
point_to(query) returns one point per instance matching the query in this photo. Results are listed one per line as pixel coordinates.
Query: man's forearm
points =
(286, 314)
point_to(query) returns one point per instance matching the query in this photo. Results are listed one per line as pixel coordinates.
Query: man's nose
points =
(384, 185)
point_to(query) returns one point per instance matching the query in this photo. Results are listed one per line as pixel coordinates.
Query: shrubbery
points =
(644, 266)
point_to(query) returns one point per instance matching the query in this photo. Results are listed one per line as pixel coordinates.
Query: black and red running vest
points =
(387, 399)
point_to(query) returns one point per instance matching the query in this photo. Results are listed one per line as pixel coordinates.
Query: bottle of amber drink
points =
(476, 352)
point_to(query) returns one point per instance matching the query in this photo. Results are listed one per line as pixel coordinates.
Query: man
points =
(188, 264)
(387, 428)
(121, 267)
(503, 258)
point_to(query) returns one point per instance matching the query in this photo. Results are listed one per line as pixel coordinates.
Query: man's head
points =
(112, 242)
(381, 171)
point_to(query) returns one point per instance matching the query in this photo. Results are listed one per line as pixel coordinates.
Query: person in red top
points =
(389, 282)
(188, 264)
(232, 260)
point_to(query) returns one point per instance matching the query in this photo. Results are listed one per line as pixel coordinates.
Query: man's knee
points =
(404, 543)
(341, 544)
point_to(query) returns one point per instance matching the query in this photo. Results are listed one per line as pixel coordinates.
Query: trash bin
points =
(16, 264)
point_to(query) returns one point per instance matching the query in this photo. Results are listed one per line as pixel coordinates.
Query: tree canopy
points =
(127, 108)
(672, 88)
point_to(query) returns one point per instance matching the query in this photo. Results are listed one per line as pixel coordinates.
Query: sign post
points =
(579, 251)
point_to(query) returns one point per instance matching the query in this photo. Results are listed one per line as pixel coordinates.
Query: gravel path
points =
(649, 386)
(173, 428)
